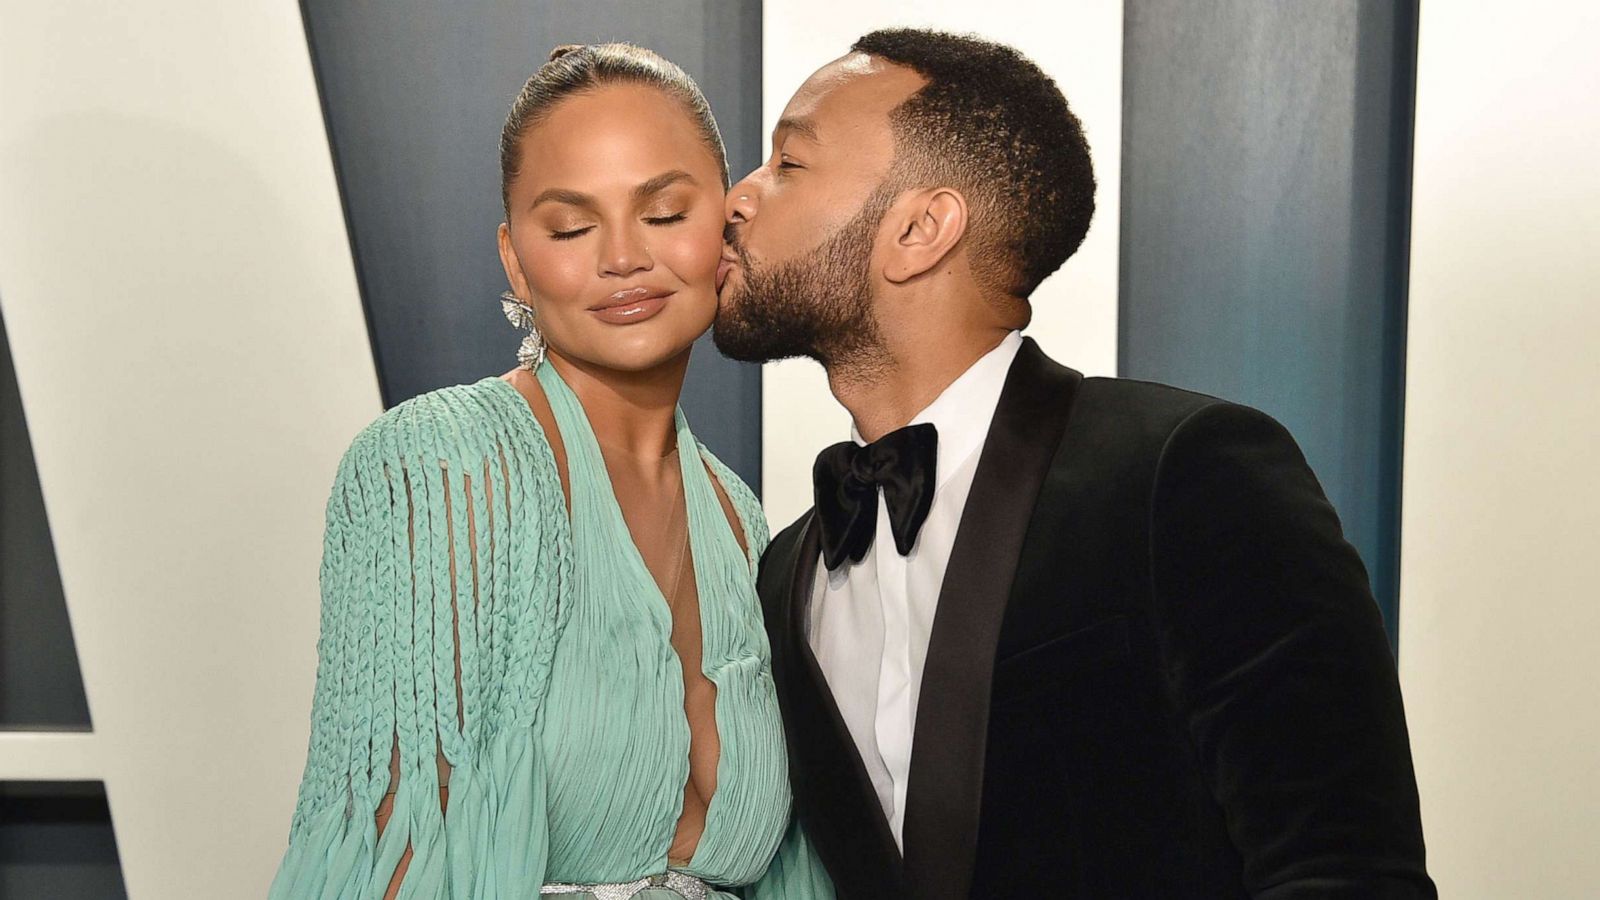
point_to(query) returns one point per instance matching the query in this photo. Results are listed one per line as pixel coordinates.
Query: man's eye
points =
(569, 235)
(666, 220)
(786, 164)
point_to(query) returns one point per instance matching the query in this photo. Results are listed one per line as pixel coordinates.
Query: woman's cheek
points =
(556, 273)
(695, 252)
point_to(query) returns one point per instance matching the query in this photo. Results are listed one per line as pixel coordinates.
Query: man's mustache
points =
(730, 236)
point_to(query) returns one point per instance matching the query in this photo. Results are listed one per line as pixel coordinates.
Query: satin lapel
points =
(832, 790)
(947, 758)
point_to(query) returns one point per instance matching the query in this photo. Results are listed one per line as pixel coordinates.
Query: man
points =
(1043, 635)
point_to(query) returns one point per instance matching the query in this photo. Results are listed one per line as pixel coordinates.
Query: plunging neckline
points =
(662, 605)
(745, 551)
(613, 506)
(619, 520)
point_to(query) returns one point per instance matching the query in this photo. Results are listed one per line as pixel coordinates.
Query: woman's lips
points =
(632, 305)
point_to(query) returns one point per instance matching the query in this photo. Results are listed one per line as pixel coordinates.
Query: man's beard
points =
(818, 305)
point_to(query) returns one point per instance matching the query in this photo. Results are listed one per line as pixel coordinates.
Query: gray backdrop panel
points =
(1265, 212)
(414, 94)
(56, 838)
(56, 842)
(40, 684)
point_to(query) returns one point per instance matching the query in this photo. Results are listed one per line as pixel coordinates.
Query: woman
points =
(542, 666)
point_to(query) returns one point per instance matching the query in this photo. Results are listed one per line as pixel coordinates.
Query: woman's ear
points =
(930, 224)
(509, 261)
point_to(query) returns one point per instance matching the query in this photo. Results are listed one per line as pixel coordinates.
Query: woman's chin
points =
(641, 353)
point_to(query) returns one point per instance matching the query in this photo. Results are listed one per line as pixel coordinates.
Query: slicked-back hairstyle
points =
(577, 68)
(993, 125)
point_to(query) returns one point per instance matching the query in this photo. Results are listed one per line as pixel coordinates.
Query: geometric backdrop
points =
(232, 234)
(415, 94)
(1265, 217)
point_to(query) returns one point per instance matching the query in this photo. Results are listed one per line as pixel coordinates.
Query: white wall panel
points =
(190, 347)
(1079, 42)
(1499, 604)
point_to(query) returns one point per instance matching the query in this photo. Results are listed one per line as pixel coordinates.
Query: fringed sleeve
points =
(444, 555)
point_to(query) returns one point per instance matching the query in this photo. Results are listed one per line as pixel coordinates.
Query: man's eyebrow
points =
(577, 198)
(801, 126)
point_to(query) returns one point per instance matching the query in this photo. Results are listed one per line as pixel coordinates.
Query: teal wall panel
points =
(1265, 209)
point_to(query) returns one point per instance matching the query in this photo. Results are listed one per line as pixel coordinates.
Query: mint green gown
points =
(464, 613)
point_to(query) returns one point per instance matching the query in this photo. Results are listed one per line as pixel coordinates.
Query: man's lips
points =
(725, 265)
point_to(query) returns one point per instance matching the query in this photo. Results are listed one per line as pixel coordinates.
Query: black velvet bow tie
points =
(847, 478)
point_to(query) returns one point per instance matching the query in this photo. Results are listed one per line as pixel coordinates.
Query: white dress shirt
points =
(869, 621)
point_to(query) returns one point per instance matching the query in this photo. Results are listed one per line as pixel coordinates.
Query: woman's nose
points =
(624, 253)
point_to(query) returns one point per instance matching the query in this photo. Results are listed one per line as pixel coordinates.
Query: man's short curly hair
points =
(993, 125)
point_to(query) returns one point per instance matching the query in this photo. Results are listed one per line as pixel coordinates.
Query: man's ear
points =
(509, 261)
(929, 224)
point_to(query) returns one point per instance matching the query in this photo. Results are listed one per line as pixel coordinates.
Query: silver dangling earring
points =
(520, 315)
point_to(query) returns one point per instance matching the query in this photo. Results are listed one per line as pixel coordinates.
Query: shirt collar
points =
(963, 411)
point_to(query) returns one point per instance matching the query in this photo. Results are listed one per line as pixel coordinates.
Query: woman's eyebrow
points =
(646, 189)
(562, 195)
(661, 182)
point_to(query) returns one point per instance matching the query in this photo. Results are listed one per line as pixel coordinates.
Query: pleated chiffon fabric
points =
(465, 615)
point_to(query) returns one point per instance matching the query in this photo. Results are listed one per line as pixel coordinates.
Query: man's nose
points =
(740, 205)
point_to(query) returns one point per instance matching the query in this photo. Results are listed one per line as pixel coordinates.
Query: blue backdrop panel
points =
(415, 94)
(1265, 198)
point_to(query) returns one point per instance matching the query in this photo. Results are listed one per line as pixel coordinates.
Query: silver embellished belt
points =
(687, 886)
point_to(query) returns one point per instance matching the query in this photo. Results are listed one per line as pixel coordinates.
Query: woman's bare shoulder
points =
(739, 502)
(533, 396)
(463, 423)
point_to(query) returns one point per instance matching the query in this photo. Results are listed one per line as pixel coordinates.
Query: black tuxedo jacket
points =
(1156, 670)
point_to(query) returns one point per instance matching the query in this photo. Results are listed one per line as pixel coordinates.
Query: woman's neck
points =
(630, 412)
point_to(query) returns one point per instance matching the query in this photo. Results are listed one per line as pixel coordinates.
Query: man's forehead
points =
(852, 88)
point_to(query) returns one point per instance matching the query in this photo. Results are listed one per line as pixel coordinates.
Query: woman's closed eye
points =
(558, 234)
